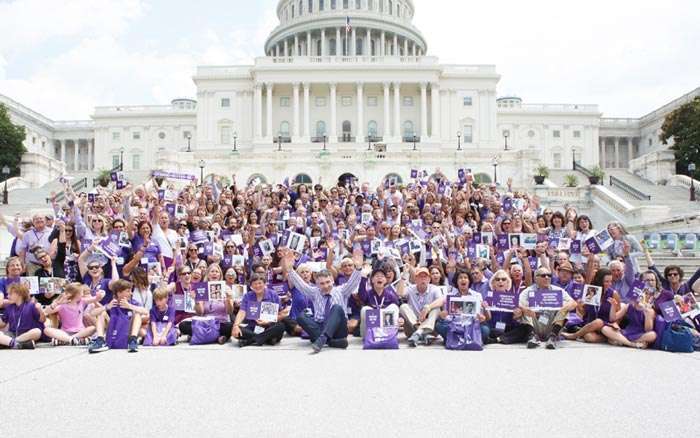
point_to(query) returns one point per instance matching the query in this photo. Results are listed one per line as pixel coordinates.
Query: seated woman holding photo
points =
(597, 317)
(257, 331)
(460, 288)
(639, 332)
(376, 297)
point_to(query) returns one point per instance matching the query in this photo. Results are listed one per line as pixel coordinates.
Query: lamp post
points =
(235, 142)
(121, 159)
(691, 170)
(5, 177)
(506, 134)
(189, 141)
(325, 139)
(495, 166)
(459, 140)
(279, 142)
(415, 139)
(201, 172)
(369, 143)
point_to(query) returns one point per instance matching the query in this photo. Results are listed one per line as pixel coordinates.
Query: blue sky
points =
(64, 57)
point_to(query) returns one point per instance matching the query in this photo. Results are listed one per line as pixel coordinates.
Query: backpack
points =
(465, 335)
(677, 338)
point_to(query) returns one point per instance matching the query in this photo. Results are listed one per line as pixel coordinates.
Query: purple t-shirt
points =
(165, 316)
(102, 285)
(251, 306)
(22, 318)
(373, 299)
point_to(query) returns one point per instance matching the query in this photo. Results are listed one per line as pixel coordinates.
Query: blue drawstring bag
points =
(677, 338)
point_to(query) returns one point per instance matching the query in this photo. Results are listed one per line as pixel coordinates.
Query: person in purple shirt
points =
(478, 281)
(378, 296)
(564, 276)
(596, 318)
(639, 332)
(329, 324)
(623, 273)
(258, 332)
(672, 279)
(24, 319)
(124, 318)
(161, 329)
(92, 273)
(460, 287)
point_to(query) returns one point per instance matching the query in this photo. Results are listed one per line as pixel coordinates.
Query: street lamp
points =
(495, 166)
(5, 176)
(201, 172)
(325, 138)
(279, 142)
(506, 134)
(459, 140)
(121, 159)
(415, 139)
(691, 170)
(189, 138)
(235, 140)
(369, 143)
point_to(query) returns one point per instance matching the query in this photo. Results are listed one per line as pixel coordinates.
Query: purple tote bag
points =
(204, 331)
(378, 338)
(464, 335)
(117, 336)
(171, 337)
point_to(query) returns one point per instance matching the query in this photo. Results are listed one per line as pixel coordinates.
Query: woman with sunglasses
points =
(181, 286)
(672, 279)
(504, 325)
(92, 275)
(146, 247)
(97, 229)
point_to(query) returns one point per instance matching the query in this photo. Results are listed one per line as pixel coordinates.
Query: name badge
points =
(543, 319)
(120, 261)
(501, 326)
(165, 318)
(257, 330)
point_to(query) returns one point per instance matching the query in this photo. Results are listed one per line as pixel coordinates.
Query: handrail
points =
(583, 170)
(615, 182)
(80, 184)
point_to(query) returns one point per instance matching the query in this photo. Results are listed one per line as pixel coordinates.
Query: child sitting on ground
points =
(124, 318)
(24, 319)
(161, 330)
(70, 307)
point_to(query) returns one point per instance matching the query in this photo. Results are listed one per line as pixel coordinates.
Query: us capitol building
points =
(345, 88)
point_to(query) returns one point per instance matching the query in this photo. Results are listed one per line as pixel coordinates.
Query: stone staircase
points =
(676, 198)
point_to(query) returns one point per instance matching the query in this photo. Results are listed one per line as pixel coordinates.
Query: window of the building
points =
(359, 45)
(408, 130)
(292, 11)
(320, 128)
(577, 134)
(225, 135)
(372, 100)
(284, 101)
(115, 161)
(346, 101)
(346, 4)
(467, 101)
(557, 161)
(186, 134)
(161, 135)
(391, 7)
(136, 135)
(284, 129)
(381, 6)
(225, 102)
(370, 5)
(333, 49)
(649, 141)
(136, 162)
(468, 133)
(556, 133)
(321, 5)
(408, 101)
(320, 101)
(358, 4)
(302, 178)
(115, 136)
(334, 4)
(347, 127)
(372, 128)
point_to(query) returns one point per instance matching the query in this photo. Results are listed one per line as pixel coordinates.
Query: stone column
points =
(413, 49)
(76, 151)
(397, 109)
(338, 43)
(395, 48)
(277, 51)
(307, 121)
(617, 152)
(360, 130)
(63, 151)
(295, 52)
(630, 150)
(308, 43)
(286, 48)
(435, 111)
(295, 102)
(405, 47)
(353, 43)
(323, 42)
(387, 112)
(423, 131)
(382, 45)
(258, 111)
(269, 88)
(333, 132)
(368, 44)
(89, 155)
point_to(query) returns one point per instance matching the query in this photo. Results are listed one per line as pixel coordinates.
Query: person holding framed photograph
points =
(460, 288)
(377, 297)
(256, 331)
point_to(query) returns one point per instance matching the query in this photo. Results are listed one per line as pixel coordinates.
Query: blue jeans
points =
(443, 325)
(334, 327)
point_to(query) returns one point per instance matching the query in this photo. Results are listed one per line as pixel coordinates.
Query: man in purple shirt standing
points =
(329, 324)
(419, 320)
(37, 236)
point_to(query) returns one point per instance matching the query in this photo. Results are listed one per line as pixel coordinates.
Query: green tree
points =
(683, 126)
(11, 147)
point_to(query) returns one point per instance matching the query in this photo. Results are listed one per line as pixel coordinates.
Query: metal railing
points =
(615, 182)
(346, 138)
(578, 167)
(411, 139)
(80, 184)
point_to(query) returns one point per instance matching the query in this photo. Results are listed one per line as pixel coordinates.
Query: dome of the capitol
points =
(369, 28)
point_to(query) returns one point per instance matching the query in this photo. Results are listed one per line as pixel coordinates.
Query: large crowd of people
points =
(174, 260)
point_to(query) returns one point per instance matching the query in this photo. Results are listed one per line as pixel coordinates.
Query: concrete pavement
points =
(282, 391)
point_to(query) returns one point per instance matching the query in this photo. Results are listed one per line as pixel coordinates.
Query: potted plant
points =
(104, 178)
(571, 180)
(597, 175)
(541, 173)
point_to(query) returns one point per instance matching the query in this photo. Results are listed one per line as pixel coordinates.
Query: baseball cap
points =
(420, 271)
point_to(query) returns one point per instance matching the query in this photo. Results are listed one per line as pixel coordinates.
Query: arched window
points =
(347, 127)
(321, 5)
(284, 129)
(311, 6)
(301, 7)
(256, 179)
(334, 4)
(391, 7)
(346, 179)
(372, 128)
(359, 45)
(373, 48)
(292, 11)
(346, 4)
(320, 128)
(318, 48)
(408, 129)
(302, 178)
(358, 4)
(333, 51)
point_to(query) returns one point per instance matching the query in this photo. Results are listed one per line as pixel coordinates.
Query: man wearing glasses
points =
(544, 309)
(36, 237)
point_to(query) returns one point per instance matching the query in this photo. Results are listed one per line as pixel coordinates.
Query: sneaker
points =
(551, 343)
(75, 342)
(319, 344)
(98, 345)
(243, 342)
(341, 343)
(221, 340)
(414, 340)
(429, 339)
(133, 344)
(26, 345)
(533, 342)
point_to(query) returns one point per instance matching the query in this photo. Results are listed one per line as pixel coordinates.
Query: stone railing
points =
(15, 183)
(654, 166)
(38, 169)
(626, 212)
(547, 107)
(684, 181)
(310, 60)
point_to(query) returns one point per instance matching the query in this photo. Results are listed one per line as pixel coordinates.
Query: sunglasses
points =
(69, 230)
(192, 249)
(186, 273)
(93, 268)
(545, 275)
(500, 279)
(674, 274)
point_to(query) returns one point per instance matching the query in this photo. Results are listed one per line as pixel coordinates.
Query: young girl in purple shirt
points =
(25, 320)
(161, 329)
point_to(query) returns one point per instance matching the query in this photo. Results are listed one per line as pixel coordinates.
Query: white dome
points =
(308, 20)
